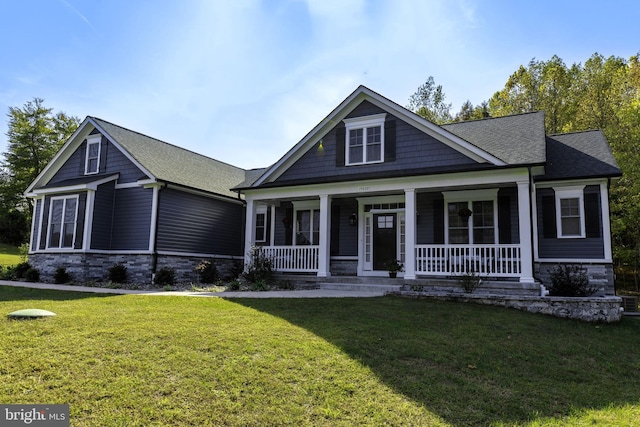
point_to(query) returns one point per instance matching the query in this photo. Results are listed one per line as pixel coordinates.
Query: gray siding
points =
(197, 224)
(344, 236)
(426, 218)
(103, 216)
(131, 219)
(111, 161)
(415, 150)
(585, 248)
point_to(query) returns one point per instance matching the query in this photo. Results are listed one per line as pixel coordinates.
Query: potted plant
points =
(393, 266)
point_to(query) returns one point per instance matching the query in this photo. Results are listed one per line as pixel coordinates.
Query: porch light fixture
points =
(320, 150)
(353, 219)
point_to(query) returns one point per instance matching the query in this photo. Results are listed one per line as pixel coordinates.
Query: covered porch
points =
(443, 226)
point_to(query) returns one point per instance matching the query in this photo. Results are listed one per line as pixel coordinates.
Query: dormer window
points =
(364, 140)
(92, 161)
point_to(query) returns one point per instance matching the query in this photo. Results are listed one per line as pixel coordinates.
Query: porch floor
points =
(428, 285)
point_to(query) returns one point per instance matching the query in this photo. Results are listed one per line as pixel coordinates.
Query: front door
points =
(385, 239)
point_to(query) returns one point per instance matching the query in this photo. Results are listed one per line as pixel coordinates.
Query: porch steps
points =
(360, 287)
(400, 285)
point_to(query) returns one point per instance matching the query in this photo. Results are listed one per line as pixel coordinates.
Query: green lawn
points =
(9, 255)
(180, 361)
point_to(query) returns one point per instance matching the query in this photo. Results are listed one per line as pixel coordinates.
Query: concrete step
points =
(359, 287)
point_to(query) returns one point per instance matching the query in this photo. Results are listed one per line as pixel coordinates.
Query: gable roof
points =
(361, 94)
(579, 155)
(173, 164)
(517, 139)
(159, 160)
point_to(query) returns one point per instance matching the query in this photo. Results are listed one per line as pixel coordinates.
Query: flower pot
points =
(393, 274)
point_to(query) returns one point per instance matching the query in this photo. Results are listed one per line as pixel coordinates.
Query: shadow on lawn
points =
(477, 365)
(15, 293)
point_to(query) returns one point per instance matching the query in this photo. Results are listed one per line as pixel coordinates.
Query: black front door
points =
(384, 240)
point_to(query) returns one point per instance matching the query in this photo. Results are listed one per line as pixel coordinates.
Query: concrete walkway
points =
(312, 293)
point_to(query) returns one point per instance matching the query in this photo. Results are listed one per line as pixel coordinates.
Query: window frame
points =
(261, 211)
(59, 246)
(311, 207)
(469, 197)
(364, 123)
(93, 140)
(568, 193)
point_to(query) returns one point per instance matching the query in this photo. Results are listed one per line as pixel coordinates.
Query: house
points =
(113, 196)
(372, 182)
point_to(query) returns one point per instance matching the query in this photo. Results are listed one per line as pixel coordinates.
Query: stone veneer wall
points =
(94, 267)
(600, 275)
(341, 267)
(607, 309)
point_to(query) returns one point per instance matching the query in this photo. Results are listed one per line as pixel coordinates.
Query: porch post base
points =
(525, 279)
(409, 276)
(323, 274)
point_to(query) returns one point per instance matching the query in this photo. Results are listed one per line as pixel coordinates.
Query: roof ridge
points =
(493, 118)
(575, 132)
(166, 143)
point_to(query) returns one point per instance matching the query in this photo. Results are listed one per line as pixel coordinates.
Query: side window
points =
(92, 160)
(62, 222)
(570, 212)
(261, 225)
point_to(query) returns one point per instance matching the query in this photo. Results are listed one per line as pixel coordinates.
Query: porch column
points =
(524, 220)
(410, 234)
(249, 231)
(324, 256)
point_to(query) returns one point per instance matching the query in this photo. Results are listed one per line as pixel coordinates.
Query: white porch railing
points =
(484, 260)
(293, 258)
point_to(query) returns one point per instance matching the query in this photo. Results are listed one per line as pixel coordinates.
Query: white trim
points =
(196, 192)
(199, 255)
(565, 193)
(92, 140)
(93, 185)
(470, 196)
(261, 210)
(154, 218)
(88, 219)
(606, 220)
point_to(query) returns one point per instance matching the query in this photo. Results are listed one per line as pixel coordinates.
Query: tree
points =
(35, 134)
(469, 112)
(428, 102)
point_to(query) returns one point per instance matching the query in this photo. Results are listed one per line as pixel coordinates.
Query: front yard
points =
(150, 360)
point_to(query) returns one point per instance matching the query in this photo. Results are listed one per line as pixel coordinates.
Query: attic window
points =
(364, 139)
(92, 160)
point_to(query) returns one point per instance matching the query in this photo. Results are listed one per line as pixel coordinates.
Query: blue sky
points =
(243, 80)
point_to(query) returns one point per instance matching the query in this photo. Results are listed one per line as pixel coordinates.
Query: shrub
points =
(207, 272)
(20, 270)
(61, 276)
(234, 285)
(260, 267)
(166, 276)
(32, 275)
(469, 281)
(7, 274)
(570, 281)
(118, 273)
(259, 285)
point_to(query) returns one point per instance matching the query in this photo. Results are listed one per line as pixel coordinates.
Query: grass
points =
(149, 360)
(9, 255)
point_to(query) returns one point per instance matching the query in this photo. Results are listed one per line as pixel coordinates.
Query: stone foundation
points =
(600, 275)
(94, 267)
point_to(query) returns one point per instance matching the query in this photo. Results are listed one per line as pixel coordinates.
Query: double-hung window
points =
(471, 217)
(92, 159)
(63, 213)
(365, 139)
(261, 224)
(307, 226)
(570, 212)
